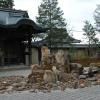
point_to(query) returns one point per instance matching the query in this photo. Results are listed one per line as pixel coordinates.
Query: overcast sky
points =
(75, 12)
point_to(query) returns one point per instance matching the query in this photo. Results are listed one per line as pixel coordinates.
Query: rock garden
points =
(53, 74)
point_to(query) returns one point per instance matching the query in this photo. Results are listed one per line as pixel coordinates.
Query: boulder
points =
(49, 76)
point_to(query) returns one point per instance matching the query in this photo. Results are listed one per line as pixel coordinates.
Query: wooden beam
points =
(30, 50)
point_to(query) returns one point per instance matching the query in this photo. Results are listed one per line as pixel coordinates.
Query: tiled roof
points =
(11, 18)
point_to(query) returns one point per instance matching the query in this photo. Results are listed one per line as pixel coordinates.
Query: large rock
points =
(95, 67)
(35, 67)
(86, 70)
(45, 52)
(36, 76)
(56, 72)
(49, 76)
(76, 67)
(60, 57)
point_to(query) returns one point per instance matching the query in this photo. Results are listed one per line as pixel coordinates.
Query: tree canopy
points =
(51, 17)
(6, 3)
(90, 32)
(97, 17)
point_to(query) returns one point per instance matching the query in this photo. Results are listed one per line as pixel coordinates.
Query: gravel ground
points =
(88, 93)
(22, 72)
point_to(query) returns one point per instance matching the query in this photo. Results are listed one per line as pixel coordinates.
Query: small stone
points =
(4, 82)
(33, 90)
(10, 88)
(92, 79)
(82, 76)
(82, 85)
(98, 82)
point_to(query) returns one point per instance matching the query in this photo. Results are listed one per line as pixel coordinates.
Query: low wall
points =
(87, 61)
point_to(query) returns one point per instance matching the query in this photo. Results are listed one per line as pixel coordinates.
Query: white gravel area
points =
(88, 93)
(23, 72)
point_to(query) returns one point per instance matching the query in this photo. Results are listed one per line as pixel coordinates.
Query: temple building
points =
(16, 28)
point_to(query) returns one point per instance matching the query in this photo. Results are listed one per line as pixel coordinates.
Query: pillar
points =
(29, 50)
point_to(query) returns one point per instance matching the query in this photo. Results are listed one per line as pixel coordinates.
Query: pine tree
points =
(89, 32)
(90, 35)
(97, 17)
(51, 17)
(10, 3)
(6, 3)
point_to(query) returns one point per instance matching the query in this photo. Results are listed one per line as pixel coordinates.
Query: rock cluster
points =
(20, 83)
(52, 74)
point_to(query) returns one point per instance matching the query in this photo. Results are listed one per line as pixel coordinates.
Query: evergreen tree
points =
(6, 3)
(90, 34)
(50, 16)
(97, 17)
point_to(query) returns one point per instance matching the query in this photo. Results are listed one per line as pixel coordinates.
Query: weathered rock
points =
(49, 76)
(31, 78)
(82, 85)
(64, 77)
(82, 76)
(92, 79)
(3, 87)
(86, 70)
(45, 52)
(60, 57)
(62, 68)
(62, 86)
(36, 76)
(98, 82)
(56, 73)
(47, 66)
(10, 88)
(35, 67)
(75, 85)
(95, 70)
(95, 64)
(46, 57)
(76, 67)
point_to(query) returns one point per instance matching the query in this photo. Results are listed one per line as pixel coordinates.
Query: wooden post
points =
(29, 50)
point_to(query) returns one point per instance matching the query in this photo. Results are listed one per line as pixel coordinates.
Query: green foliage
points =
(38, 36)
(91, 36)
(97, 17)
(6, 3)
(50, 16)
(90, 33)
